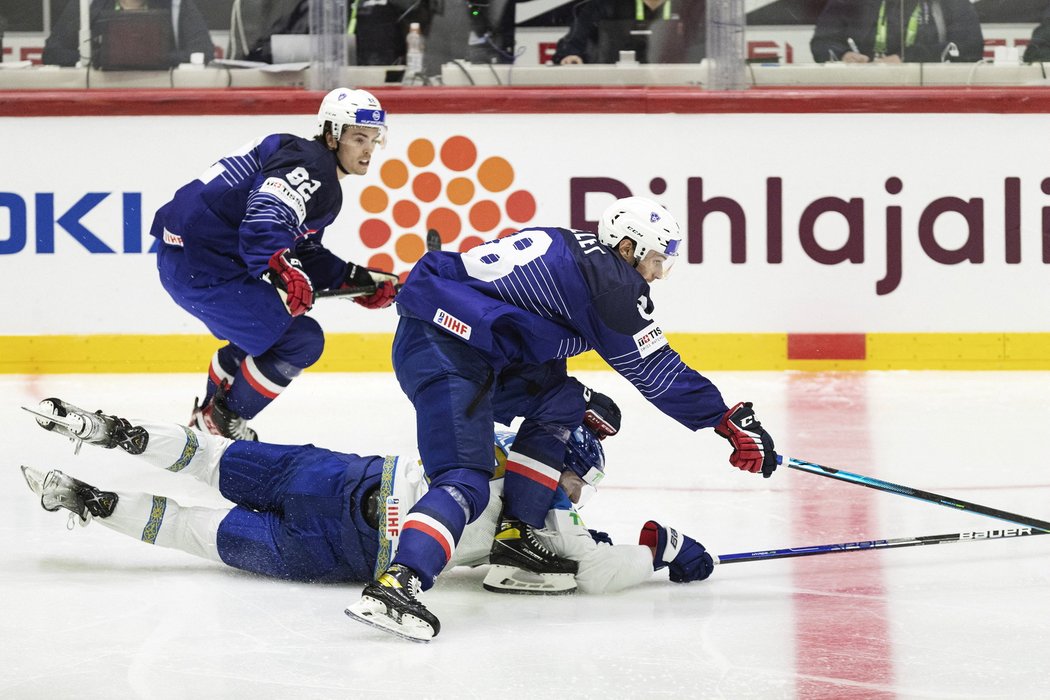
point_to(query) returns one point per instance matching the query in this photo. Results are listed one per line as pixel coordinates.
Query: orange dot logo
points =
(467, 196)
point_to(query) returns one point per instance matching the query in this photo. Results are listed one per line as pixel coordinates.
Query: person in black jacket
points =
(892, 31)
(61, 47)
(677, 26)
(1039, 48)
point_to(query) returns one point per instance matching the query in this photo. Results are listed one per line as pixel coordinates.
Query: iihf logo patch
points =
(393, 518)
(452, 324)
(653, 217)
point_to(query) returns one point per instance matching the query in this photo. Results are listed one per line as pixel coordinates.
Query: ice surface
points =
(91, 614)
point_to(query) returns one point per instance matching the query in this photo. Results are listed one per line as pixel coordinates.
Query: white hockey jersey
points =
(603, 568)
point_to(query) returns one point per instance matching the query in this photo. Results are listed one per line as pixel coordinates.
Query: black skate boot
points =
(59, 490)
(217, 418)
(390, 604)
(95, 428)
(522, 564)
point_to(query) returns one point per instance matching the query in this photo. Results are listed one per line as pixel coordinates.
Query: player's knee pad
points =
(301, 345)
(469, 487)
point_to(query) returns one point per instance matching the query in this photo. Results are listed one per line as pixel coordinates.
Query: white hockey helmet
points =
(344, 108)
(649, 225)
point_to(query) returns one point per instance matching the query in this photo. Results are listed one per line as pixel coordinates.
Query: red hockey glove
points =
(286, 274)
(752, 445)
(385, 285)
(602, 415)
(384, 296)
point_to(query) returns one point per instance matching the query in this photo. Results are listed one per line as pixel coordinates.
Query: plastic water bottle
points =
(413, 54)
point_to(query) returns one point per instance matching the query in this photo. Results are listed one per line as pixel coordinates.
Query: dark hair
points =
(321, 138)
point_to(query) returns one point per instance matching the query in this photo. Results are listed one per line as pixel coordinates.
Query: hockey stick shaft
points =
(918, 494)
(976, 536)
(347, 292)
(433, 242)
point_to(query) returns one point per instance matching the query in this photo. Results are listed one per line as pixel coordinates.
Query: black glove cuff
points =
(357, 276)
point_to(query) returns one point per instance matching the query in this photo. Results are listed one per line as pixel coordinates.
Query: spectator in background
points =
(1039, 48)
(892, 31)
(602, 28)
(62, 49)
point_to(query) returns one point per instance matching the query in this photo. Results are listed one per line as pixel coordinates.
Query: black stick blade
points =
(433, 240)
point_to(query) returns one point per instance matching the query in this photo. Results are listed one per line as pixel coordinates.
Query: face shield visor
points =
(655, 265)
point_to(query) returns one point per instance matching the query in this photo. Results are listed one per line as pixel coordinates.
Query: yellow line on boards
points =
(370, 352)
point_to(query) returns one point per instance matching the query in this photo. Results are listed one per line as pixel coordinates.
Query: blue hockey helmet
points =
(584, 456)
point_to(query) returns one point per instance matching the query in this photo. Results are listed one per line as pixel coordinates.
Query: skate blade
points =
(51, 421)
(510, 579)
(35, 478)
(373, 613)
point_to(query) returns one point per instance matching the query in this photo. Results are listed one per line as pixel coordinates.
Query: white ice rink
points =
(91, 614)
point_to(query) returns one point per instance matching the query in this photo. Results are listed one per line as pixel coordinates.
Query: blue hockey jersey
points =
(549, 293)
(279, 192)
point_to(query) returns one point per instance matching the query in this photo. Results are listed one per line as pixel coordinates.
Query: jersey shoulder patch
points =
(282, 190)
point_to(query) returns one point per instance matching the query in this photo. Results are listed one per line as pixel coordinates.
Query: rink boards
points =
(850, 229)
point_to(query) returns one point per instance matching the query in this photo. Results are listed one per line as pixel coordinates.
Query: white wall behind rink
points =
(846, 157)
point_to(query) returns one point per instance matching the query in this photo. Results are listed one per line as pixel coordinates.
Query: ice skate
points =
(390, 604)
(217, 418)
(96, 428)
(59, 490)
(522, 564)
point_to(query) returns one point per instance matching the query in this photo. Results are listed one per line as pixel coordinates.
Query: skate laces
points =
(414, 587)
(220, 420)
(239, 429)
(405, 580)
(530, 534)
(74, 520)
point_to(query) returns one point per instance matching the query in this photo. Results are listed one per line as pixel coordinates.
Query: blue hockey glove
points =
(600, 537)
(687, 560)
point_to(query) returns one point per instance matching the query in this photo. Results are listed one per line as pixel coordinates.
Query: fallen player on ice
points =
(304, 513)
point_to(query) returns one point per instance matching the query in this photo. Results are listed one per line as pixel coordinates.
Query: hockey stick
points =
(917, 494)
(433, 242)
(976, 536)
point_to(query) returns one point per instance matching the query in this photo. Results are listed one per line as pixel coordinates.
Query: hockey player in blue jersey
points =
(240, 248)
(470, 322)
(308, 514)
